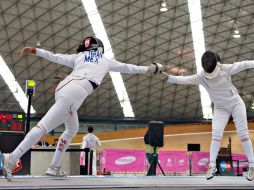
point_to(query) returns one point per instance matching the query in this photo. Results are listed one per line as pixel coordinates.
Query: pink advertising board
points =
(242, 162)
(116, 160)
(200, 161)
(174, 161)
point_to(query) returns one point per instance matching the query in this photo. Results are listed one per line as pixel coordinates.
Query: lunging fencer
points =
(89, 68)
(216, 79)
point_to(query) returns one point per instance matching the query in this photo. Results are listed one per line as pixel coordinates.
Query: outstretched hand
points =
(170, 69)
(174, 70)
(26, 50)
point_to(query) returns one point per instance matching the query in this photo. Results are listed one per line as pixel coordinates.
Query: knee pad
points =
(243, 136)
(217, 135)
(70, 133)
(242, 133)
(66, 137)
(72, 126)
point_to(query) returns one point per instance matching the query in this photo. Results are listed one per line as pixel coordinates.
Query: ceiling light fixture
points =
(163, 7)
(199, 48)
(236, 32)
(38, 44)
(100, 32)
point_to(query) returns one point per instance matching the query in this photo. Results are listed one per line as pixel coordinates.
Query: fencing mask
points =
(209, 63)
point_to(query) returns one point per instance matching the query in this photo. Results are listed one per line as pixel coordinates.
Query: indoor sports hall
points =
(126, 94)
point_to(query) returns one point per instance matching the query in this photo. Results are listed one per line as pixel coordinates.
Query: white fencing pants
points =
(219, 122)
(68, 101)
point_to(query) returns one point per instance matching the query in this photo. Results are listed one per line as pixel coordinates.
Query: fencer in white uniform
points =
(92, 142)
(216, 79)
(89, 68)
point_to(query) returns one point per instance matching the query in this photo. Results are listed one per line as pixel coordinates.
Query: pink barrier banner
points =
(243, 163)
(173, 161)
(102, 159)
(116, 160)
(200, 161)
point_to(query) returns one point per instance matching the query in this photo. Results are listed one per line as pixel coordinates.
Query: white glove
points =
(155, 68)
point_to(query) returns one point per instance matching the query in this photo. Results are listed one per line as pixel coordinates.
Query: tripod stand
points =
(153, 163)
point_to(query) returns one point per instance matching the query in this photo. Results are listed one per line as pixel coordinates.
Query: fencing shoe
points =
(9, 165)
(55, 171)
(250, 174)
(210, 173)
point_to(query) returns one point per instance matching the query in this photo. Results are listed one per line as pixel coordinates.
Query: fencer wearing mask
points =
(89, 66)
(216, 79)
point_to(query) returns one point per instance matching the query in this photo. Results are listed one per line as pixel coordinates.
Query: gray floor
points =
(133, 182)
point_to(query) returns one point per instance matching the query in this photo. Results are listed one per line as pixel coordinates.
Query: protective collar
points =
(215, 73)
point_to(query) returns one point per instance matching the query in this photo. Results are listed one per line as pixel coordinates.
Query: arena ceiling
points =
(139, 34)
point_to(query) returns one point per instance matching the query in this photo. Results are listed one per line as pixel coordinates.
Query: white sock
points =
(30, 139)
(214, 149)
(61, 147)
(248, 149)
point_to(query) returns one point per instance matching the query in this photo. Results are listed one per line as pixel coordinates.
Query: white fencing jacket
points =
(221, 90)
(92, 65)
